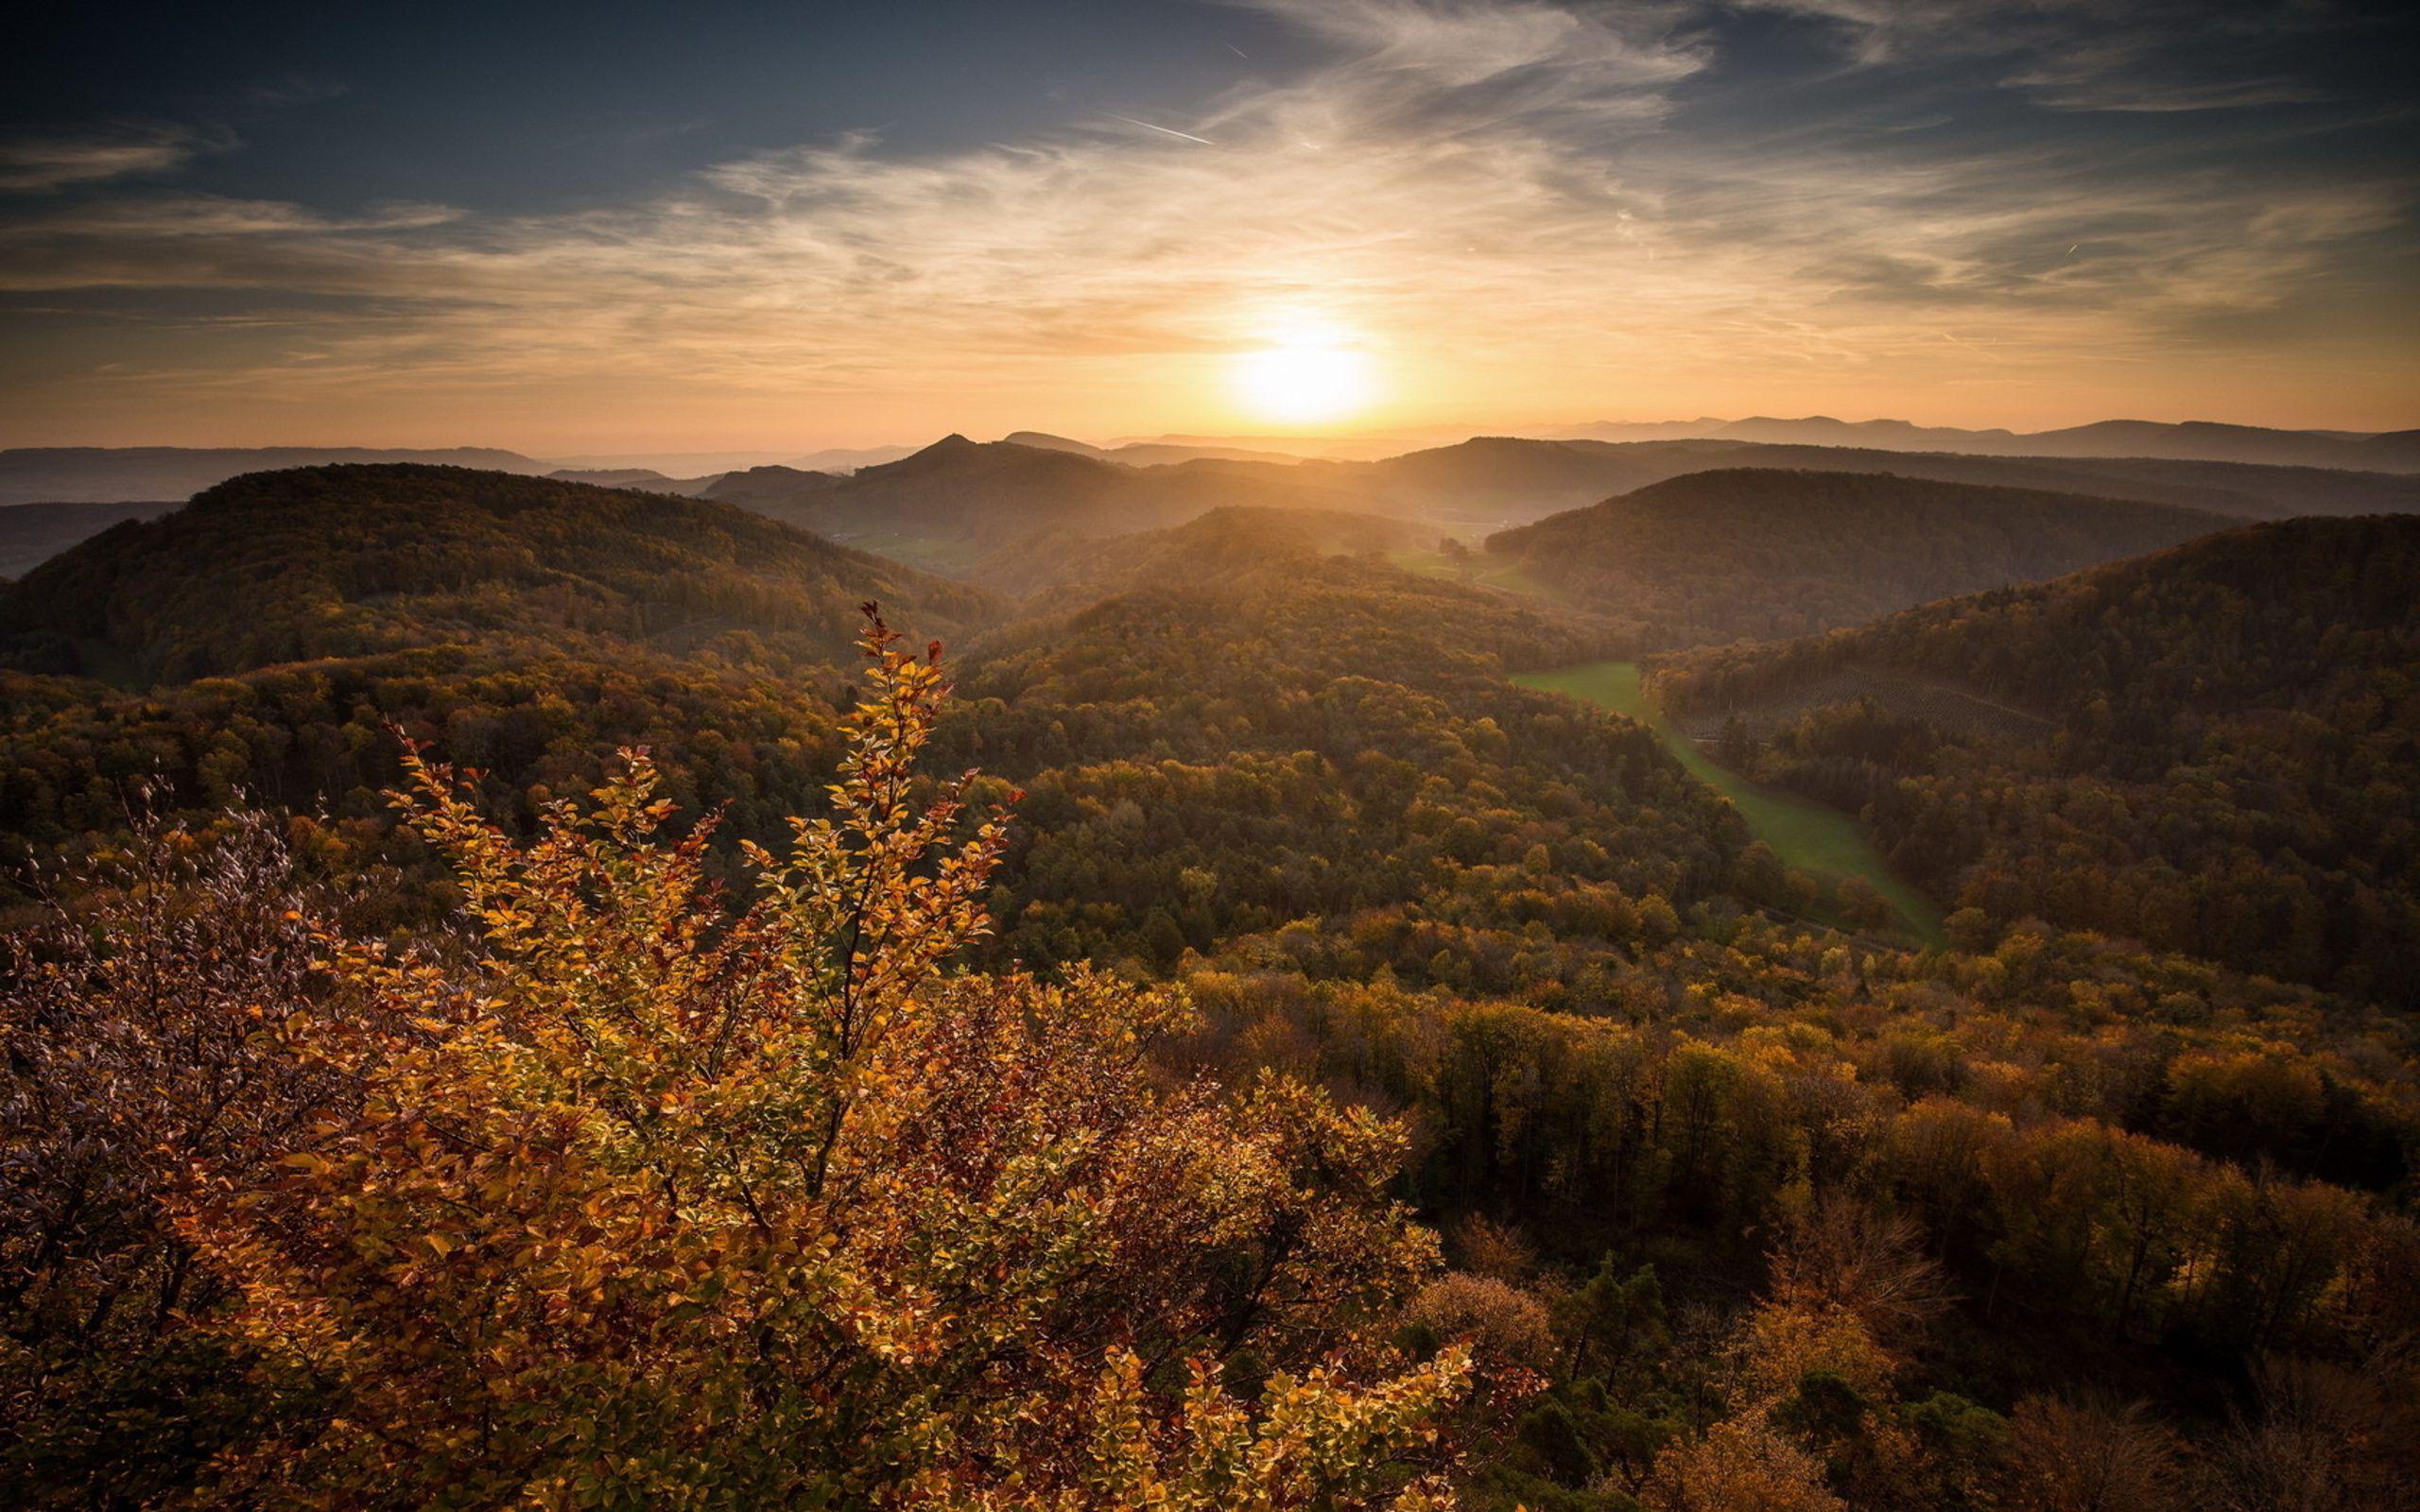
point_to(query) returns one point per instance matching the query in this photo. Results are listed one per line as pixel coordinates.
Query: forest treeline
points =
(2228, 770)
(1366, 1082)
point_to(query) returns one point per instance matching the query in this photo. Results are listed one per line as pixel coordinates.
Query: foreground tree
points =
(624, 1197)
(2084, 1456)
(132, 1013)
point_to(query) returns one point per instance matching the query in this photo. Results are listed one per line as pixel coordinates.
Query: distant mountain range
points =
(107, 474)
(1148, 453)
(2189, 440)
(1489, 482)
(31, 533)
(1333, 448)
(957, 500)
(950, 504)
(645, 479)
(847, 460)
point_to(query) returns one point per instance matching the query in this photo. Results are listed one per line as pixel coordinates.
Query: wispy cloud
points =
(1462, 43)
(2133, 56)
(1525, 209)
(39, 163)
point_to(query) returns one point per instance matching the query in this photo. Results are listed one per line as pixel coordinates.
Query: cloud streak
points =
(1525, 211)
(39, 164)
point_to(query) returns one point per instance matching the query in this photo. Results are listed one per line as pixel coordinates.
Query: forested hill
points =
(2226, 766)
(1756, 553)
(1229, 538)
(1496, 482)
(347, 560)
(1319, 746)
(957, 501)
(105, 474)
(31, 533)
(1497, 478)
(2247, 491)
(1721, 1188)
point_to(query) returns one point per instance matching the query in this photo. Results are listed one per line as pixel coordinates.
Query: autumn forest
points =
(532, 992)
(1219, 756)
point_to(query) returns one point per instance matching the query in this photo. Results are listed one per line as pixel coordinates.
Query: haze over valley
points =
(956, 756)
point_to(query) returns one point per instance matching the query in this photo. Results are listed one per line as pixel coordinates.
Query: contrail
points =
(1182, 136)
(1980, 351)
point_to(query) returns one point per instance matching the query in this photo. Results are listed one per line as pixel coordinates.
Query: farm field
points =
(1813, 837)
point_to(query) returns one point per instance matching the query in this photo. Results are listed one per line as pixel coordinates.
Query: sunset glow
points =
(1309, 375)
(1318, 755)
(806, 231)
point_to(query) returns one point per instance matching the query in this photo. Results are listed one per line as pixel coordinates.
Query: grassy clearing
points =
(1815, 838)
(1478, 569)
(948, 555)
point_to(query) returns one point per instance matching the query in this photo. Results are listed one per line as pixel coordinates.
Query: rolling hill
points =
(31, 533)
(1146, 453)
(82, 475)
(1759, 553)
(1231, 537)
(952, 503)
(1488, 483)
(2243, 490)
(645, 479)
(334, 561)
(2212, 748)
(276, 640)
(1488, 479)
(775, 486)
(1295, 783)
(957, 501)
(2188, 440)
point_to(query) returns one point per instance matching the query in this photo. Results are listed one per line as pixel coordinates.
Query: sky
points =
(616, 227)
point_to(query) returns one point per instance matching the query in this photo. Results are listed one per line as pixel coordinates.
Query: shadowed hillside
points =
(31, 533)
(2217, 754)
(1224, 540)
(275, 638)
(348, 561)
(1489, 483)
(1754, 554)
(95, 473)
(2190, 440)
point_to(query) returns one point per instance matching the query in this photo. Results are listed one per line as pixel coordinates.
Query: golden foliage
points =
(639, 1200)
(1740, 1465)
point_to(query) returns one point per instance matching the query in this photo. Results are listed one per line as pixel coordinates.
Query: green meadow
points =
(1477, 568)
(1815, 838)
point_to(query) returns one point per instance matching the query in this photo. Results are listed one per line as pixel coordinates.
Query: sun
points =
(1303, 377)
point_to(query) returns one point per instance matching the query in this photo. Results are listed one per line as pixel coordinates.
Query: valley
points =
(1638, 993)
(1805, 834)
(1259, 756)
